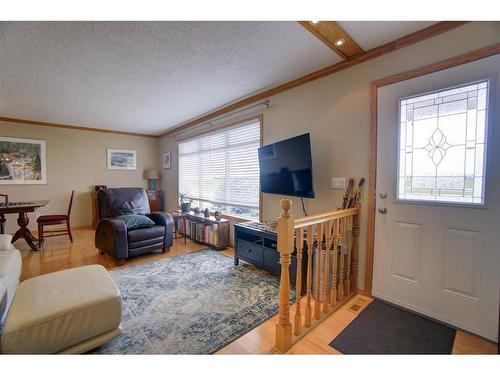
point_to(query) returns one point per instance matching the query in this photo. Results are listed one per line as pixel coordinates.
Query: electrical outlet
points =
(339, 182)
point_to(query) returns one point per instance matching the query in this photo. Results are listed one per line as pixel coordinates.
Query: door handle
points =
(382, 210)
(383, 195)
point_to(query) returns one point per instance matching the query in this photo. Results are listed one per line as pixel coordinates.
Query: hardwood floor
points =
(261, 339)
(59, 253)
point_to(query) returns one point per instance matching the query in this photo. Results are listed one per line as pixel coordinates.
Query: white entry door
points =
(437, 226)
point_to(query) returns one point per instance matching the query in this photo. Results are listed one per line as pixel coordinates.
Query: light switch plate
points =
(339, 182)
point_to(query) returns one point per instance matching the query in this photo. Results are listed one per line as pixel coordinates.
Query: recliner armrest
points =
(161, 218)
(166, 220)
(111, 237)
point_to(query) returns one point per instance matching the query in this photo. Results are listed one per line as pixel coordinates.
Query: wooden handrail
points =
(330, 242)
(305, 221)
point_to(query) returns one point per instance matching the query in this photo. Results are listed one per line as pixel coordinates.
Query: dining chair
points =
(47, 220)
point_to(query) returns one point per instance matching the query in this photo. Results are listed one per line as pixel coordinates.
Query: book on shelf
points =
(198, 231)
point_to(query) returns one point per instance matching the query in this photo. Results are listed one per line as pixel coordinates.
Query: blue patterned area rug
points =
(194, 303)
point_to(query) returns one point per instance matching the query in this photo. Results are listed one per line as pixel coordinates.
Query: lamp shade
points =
(152, 174)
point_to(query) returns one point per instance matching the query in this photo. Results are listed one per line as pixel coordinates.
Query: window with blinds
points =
(220, 170)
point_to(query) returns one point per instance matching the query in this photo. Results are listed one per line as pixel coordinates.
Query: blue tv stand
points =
(259, 247)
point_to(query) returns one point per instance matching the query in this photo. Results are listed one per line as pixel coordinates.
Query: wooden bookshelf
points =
(205, 230)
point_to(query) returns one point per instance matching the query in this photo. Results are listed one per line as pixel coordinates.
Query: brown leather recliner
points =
(112, 236)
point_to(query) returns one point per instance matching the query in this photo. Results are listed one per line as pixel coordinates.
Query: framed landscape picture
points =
(167, 160)
(22, 161)
(122, 159)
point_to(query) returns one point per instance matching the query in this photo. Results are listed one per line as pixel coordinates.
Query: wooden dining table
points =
(22, 209)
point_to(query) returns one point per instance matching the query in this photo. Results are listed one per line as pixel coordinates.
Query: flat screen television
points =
(286, 167)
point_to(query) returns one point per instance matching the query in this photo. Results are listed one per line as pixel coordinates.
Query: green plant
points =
(184, 198)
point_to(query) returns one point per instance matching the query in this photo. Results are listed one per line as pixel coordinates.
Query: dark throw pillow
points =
(136, 221)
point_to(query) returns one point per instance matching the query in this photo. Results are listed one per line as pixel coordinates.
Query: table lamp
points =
(152, 175)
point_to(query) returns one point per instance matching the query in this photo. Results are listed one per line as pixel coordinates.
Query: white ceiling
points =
(147, 77)
(371, 34)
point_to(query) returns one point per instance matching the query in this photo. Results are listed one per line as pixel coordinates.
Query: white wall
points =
(336, 111)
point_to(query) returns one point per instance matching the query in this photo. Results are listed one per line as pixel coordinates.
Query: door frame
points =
(468, 57)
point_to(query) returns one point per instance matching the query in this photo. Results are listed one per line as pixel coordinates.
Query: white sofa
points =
(70, 311)
(10, 271)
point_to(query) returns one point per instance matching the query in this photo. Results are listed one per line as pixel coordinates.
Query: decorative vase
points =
(217, 215)
(207, 212)
(197, 210)
(185, 207)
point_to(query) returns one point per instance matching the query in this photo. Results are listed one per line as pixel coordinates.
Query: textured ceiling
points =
(371, 34)
(147, 77)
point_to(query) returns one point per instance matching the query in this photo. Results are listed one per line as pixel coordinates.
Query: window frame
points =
(216, 129)
(488, 135)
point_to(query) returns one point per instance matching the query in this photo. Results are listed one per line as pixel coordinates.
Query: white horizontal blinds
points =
(189, 170)
(220, 170)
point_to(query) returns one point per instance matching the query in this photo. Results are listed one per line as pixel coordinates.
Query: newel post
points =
(286, 229)
(355, 248)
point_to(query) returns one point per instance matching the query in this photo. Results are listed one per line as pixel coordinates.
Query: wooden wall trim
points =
(73, 127)
(372, 181)
(405, 41)
(440, 65)
(372, 177)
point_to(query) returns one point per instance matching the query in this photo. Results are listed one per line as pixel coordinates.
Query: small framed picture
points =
(167, 160)
(122, 159)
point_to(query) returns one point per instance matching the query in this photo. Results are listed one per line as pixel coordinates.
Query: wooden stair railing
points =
(330, 241)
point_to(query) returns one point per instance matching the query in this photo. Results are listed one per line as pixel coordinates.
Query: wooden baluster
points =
(310, 241)
(355, 249)
(285, 247)
(341, 262)
(333, 297)
(349, 254)
(326, 281)
(298, 283)
(319, 253)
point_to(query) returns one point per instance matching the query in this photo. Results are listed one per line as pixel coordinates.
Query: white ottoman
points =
(70, 311)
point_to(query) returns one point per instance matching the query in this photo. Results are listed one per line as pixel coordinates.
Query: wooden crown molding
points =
(330, 32)
(73, 127)
(481, 53)
(372, 177)
(402, 42)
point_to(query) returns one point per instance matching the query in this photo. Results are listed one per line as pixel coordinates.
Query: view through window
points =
(442, 145)
(220, 170)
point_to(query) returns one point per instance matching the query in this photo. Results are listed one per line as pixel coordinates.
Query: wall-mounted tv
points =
(286, 167)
